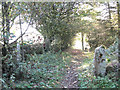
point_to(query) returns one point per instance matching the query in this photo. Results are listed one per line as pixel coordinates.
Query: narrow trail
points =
(71, 78)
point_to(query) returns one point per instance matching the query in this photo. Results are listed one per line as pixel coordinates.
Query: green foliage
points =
(3, 83)
(31, 49)
(42, 71)
(113, 49)
(58, 22)
(54, 21)
(99, 82)
(8, 69)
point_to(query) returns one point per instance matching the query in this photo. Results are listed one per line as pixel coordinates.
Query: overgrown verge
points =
(88, 80)
(39, 71)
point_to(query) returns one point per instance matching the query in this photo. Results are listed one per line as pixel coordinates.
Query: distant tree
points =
(102, 31)
(118, 12)
(53, 20)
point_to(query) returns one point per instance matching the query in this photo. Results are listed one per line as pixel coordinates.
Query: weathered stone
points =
(99, 61)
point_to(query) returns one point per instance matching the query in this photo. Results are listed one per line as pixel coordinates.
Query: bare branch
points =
(22, 33)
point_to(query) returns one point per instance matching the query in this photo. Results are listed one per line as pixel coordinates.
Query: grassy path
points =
(71, 78)
(79, 74)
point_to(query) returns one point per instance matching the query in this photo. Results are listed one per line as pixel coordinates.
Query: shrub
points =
(43, 70)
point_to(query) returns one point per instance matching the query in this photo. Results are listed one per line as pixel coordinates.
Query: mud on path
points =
(71, 78)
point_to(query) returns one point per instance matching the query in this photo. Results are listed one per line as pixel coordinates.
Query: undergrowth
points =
(88, 80)
(48, 69)
(40, 71)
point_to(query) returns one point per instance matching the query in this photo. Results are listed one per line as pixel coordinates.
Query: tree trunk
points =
(0, 66)
(118, 9)
(82, 41)
(110, 17)
(22, 50)
(109, 11)
(47, 44)
(111, 27)
(5, 23)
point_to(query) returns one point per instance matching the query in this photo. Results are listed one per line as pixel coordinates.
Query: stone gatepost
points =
(99, 61)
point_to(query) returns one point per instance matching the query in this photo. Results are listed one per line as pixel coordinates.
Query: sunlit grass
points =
(86, 62)
(77, 42)
(85, 65)
(89, 59)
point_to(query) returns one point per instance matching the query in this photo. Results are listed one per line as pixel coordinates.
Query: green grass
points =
(89, 58)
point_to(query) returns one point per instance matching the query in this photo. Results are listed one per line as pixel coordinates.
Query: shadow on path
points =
(71, 78)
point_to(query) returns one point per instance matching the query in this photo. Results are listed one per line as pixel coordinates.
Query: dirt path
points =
(71, 78)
